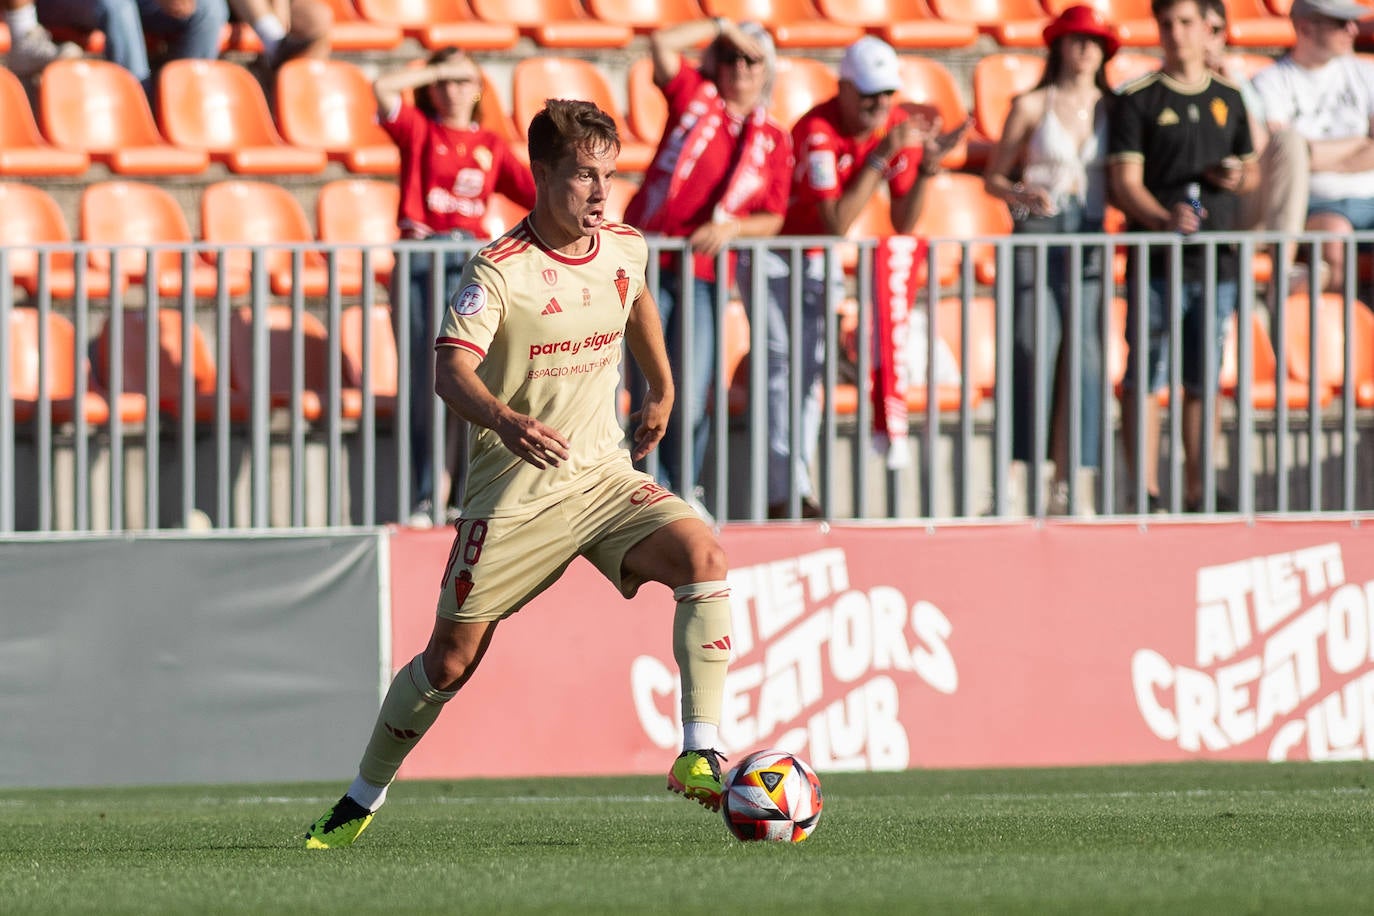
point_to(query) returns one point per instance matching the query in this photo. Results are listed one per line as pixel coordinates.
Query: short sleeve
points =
(475, 310)
(1125, 131)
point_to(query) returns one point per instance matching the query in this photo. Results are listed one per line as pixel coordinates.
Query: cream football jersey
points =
(549, 329)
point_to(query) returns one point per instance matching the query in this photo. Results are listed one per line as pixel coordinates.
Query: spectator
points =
(1050, 168)
(1322, 90)
(721, 172)
(191, 28)
(1174, 132)
(450, 167)
(1279, 202)
(31, 45)
(287, 29)
(846, 147)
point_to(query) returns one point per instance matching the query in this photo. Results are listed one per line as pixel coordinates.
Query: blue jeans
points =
(783, 466)
(693, 382)
(421, 344)
(1194, 302)
(1026, 370)
(127, 23)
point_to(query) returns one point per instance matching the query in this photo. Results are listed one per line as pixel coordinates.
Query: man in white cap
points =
(1325, 92)
(845, 148)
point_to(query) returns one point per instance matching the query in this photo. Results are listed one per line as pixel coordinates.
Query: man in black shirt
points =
(1176, 132)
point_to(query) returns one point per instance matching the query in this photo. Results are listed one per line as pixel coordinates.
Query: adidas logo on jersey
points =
(553, 308)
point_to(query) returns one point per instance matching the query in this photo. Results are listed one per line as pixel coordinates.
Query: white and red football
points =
(771, 795)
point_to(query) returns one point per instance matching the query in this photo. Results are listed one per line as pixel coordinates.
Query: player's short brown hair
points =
(565, 125)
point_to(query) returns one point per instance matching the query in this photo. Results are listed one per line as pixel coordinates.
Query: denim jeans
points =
(126, 23)
(693, 382)
(1027, 370)
(1194, 302)
(421, 344)
(783, 466)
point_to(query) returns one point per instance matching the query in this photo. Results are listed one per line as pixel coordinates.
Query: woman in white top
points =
(1049, 167)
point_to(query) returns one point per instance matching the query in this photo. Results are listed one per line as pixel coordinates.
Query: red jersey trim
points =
(557, 256)
(460, 344)
(513, 242)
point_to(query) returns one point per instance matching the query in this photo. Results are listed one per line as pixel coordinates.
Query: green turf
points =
(1190, 838)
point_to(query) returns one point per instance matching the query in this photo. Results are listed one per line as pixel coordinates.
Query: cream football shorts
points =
(498, 565)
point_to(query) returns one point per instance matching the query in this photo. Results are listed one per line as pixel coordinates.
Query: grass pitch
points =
(1184, 838)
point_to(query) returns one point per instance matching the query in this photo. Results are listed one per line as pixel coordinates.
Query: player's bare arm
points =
(644, 334)
(528, 439)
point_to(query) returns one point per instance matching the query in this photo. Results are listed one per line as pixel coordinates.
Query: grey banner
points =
(155, 659)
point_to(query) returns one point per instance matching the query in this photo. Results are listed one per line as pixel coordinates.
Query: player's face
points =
(1183, 33)
(573, 193)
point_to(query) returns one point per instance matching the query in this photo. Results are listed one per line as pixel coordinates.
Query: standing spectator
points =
(1173, 131)
(31, 45)
(1325, 92)
(1278, 203)
(846, 148)
(191, 28)
(450, 167)
(1050, 168)
(286, 28)
(721, 172)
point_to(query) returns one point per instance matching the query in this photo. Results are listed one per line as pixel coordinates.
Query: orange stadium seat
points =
(4, 38)
(735, 359)
(1279, 7)
(329, 105)
(56, 368)
(873, 222)
(646, 15)
(1330, 344)
(502, 213)
(792, 23)
(30, 216)
(555, 23)
(257, 213)
(498, 120)
(997, 79)
(133, 213)
(1132, 19)
(383, 362)
(219, 107)
(536, 79)
(965, 210)
(281, 334)
(171, 359)
(441, 24)
(982, 344)
(23, 151)
(1264, 383)
(926, 81)
(1011, 23)
(1126, 66)
(622, 190)
(901, 23)
(360, 211)
(101, 109)
(351, 32)
(1251, 24)
(801, 84)
(647, 110)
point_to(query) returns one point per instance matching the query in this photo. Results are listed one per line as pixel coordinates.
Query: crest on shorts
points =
(622, 285)
(471, 300)
(462, 586)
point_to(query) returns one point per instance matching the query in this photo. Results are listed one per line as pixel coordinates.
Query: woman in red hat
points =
(1050, 168)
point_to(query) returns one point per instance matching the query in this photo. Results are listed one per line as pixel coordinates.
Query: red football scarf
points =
(896, 264)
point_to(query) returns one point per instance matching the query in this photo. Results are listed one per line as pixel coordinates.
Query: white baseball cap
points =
(1332, 9)
(871, 65)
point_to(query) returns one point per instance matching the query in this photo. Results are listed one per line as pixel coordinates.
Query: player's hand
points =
(650, 422)
(533, 442)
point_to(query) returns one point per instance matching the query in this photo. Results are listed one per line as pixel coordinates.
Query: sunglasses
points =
(732, 58)
(875, 96)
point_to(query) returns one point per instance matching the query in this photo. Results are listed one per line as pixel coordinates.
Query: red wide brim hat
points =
(1083, 20)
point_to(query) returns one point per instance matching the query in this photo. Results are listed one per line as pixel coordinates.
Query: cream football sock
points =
(701, 647)
(411, 706)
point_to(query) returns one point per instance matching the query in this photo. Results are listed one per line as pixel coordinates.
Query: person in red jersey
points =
(450, 168)
(846, 148)
(529, 353)
(721, 172)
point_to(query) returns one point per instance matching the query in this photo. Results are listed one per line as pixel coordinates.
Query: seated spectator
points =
(31, 45)
(1322, 90)
(286, 28)
(191, 28)
(1279, 202)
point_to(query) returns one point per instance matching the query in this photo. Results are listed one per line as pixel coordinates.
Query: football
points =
(771, 795)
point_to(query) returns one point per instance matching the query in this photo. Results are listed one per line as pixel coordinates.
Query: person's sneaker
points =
(35, 49)
(422, 516)
(696, 775)
(339, 826)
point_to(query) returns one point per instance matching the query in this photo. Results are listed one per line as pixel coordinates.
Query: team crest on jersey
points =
(470, 301)
(550, 276)
(622, 284)
(1166, 117)
(1220, 111)
(482, 156)
(586, 297)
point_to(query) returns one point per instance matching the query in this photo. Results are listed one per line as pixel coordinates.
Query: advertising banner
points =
(883, 648)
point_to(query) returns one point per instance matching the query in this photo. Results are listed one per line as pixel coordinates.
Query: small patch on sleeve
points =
(470, 301)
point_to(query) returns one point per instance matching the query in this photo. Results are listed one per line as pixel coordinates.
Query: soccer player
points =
(529, 353)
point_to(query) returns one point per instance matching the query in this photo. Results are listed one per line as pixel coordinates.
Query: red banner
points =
(879, 648)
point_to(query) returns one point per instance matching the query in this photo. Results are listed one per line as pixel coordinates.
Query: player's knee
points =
(706, 561)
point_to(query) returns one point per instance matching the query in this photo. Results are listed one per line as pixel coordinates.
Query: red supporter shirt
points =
(447, 175)
(827, 161)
